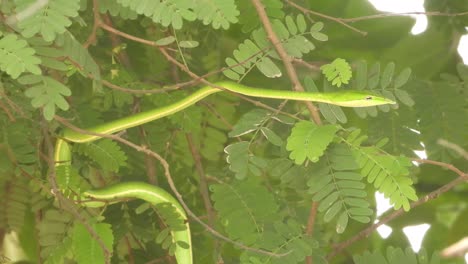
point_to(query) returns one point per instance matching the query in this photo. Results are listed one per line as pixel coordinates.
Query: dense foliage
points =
(295, 180)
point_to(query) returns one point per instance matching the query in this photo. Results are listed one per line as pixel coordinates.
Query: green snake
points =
(156, 195)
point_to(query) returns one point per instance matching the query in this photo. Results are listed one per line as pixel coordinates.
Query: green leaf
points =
(249, 122)
(361, 75)
(106, 153)
(308, 141)
(81, 56)
(404, 97)
(374, 76)
(338, 72)
(268, 68)
(301, 23)
(272, 136)
(338, 189)
(388, 173)
(85, 246)
(342, 223)
(162, 235)
(291, 25)
(231, 62)
(402, 78)
(396, 256)
(332, 113)
(46, 93)
(218, 13)
(115, 9)
(241, 162)
(165, 41)
(16, 57)
(189, 44)
(387, 75)
(317, 27)
(260, 52)
(243, 206)
(319, 36)
(166, 13)
(50, 20)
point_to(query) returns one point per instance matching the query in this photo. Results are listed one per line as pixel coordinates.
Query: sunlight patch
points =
(415, 235)
(401, 6)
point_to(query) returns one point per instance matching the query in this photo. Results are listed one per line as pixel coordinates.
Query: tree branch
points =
(297, 86)
(335, 19)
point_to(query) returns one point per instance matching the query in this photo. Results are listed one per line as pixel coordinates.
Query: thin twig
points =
(308, 65)
(122, 55)
(444, 165)
(5, 109)
(335, 19)
(97, 23)
(345, 21)
(27, 12)
(152, 91)
(203, 185)
(131, 259)
(150, 165)
(453, 147)
(172, 185)
(431, 13)
(311, 225)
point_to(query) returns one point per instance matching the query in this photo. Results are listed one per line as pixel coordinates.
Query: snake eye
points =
(369, 98)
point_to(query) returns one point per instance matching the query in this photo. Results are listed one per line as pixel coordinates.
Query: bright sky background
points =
(415, 234)
(400, 6)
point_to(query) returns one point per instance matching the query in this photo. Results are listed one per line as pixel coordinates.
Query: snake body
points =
(344, 98)
(151, 194)
(156, 195)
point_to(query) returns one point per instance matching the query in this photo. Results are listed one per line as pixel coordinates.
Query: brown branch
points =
(444, 165)
(150, 165)
(149, 162)
(308, 65)
(345, 21)
(463, 177)
(220, 117)
(5, 109)
(14, 106)
(203, 185)
(297, 86)
(310, 226)
(453, 147)
(97, 23)
(152, 91)
(171, 183)
(116, 42)
(131, 259)
(435, 13)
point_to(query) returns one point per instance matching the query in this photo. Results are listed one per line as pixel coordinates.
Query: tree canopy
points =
(249, 179)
